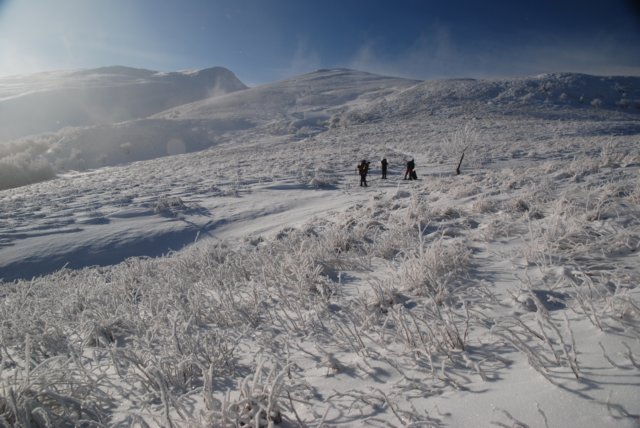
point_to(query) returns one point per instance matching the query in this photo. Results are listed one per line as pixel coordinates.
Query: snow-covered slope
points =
(290, 296)
(298, 107)
(50, 101)
(304, 101)
(549, 95)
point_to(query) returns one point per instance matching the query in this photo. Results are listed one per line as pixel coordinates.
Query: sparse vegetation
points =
(403, 304)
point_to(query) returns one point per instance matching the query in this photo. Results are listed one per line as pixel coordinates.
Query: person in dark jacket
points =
(411, 165)
(363, 170)
(384, 164)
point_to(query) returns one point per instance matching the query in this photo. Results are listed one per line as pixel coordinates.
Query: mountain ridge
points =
(48, 102)
(294, 108)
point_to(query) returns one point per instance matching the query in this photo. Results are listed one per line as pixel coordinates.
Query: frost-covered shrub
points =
(484, 205)
(390, 242)
(384, 296)
(448, 213)
(102, 330)
(357, 117)
(334, 121)
(232, 190)
(434, 267)
(324, 178)
(630, 159)
(171, 341)
(496, 228)
(466, 191)
(634, 195)
(260, 402)
(579, 169)
(169, 205)
(54, 393)
(611, 155)
(621, 244)
(517, 205)
(550, 167)
(418, 212)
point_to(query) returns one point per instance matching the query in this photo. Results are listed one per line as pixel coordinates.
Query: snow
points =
(50, 101)
(59, 121)
(245, 273)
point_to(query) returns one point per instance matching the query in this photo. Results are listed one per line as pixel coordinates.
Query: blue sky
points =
(267, 40)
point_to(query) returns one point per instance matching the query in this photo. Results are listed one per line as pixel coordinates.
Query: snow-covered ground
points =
(255, 283)
(53, 122)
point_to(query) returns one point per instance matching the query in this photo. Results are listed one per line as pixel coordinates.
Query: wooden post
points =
(460, 163)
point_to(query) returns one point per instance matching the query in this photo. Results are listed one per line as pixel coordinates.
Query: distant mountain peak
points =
(119, 70)
(102, 95)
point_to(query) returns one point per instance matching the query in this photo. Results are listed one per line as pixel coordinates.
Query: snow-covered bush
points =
(169, 206)
(56, 392)
(517, 206)
(359, 117)
(324, 178)
(484, 205)
(434, 267)
(461, 144)
(610, 155)
(260, 402)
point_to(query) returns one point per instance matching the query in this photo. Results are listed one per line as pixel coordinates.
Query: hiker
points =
(363, 170)
(384, 164)
(411, 165)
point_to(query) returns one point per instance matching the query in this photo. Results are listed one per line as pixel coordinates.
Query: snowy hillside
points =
(561, 95)
(64, 104)
(47, 102)
(297, 107)
(255, 283)
(304, 102)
